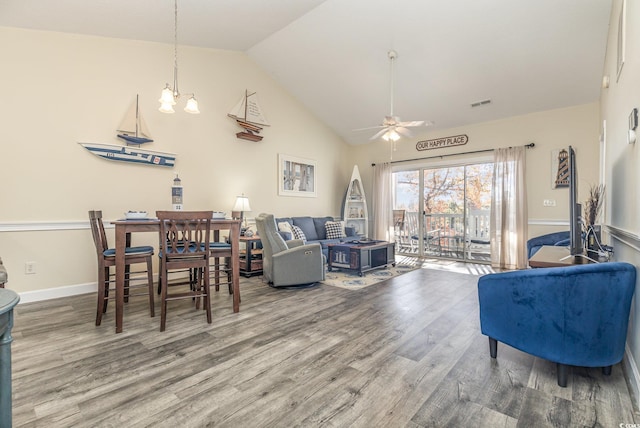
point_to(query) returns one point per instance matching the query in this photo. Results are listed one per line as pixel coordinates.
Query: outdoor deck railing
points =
(445, 235)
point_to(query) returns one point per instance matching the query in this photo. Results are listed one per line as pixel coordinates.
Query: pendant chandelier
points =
(170, 95)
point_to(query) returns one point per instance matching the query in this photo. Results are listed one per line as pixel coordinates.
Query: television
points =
(575, 209)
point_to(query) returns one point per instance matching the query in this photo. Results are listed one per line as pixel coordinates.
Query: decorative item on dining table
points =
(176, 194)
(218, 215)
(135, 215)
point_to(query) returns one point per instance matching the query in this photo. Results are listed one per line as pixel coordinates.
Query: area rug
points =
(352, 281)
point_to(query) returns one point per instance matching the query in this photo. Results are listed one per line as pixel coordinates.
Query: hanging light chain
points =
(170, 96)
(176, 93)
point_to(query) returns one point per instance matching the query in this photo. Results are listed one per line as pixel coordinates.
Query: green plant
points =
(594, 204)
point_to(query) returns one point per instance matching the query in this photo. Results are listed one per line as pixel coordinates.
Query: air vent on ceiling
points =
(481, 103)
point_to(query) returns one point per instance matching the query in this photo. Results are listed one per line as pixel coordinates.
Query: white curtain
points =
(509, 210)
(382, 203)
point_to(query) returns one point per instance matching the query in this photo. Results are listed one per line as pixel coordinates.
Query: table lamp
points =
(242, 205)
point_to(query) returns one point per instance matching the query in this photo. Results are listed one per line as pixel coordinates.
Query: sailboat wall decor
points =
(133, 123)
(134, 131)
(248, 115)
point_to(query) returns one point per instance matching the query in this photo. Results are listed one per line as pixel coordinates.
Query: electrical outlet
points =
(549, 203)
(30, 268)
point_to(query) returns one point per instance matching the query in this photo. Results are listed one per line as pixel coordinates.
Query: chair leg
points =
(163, 300)
(152, 309)
(606, 370)
(563, 374)
(207, 294)
(101, 306)
(216, 268)
(196, 287)
(493, 348)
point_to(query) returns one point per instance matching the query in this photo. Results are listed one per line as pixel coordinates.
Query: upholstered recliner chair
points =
(573, 316)
(289, 263)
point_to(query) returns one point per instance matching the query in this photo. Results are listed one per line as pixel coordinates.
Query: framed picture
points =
(622, 18)
(296, 176)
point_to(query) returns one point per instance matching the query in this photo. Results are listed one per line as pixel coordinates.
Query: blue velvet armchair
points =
(557, 238)
(573, 316)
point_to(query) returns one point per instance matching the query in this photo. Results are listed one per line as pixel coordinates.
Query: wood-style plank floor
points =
(406, 352)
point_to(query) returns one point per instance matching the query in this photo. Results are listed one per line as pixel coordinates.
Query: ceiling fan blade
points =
(404, 132)
(379, 134)
(369, 128)
(413, 123)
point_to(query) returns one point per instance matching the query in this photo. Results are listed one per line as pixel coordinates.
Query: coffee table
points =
(361, 256)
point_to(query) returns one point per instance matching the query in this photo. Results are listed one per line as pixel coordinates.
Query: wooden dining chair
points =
(184, 244)
(107, 259)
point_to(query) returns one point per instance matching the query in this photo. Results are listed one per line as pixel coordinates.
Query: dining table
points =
(125, 227)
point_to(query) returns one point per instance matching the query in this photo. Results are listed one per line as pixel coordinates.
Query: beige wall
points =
(63, 88)
(621, 162)
(549, 130)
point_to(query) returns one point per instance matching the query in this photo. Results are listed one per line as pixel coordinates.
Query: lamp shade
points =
(192, 106)
(242, 204)
(167, 96)
(166, 108)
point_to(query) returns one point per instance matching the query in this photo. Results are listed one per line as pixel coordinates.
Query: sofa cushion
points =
(307, 226)
(334, 229)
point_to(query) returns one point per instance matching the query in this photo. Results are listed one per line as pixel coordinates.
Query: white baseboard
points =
(65, 291)
(55, 293)
(633, 376)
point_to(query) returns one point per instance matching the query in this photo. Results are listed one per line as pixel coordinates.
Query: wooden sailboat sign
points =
(248, 115)
(130, 154)
(134, 131)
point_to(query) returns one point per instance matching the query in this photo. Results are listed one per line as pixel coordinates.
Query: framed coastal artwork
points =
(296, 176)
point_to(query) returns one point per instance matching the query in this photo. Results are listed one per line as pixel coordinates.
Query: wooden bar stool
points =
(107, 259)
(184, 242)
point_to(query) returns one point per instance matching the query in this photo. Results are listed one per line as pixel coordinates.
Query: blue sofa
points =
(314, 230)
(573, 316)
(557, 238)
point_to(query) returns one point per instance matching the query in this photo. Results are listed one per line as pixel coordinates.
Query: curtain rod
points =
(528, 146)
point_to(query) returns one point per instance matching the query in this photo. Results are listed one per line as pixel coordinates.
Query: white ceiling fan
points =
(392, 128)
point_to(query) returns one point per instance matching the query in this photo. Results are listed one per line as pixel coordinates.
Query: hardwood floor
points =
(404, 352)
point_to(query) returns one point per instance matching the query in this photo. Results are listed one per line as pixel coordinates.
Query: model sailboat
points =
(134, 131)
(133, 123)
(248, 115)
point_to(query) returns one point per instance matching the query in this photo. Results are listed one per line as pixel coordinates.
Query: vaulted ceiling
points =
(524, 56)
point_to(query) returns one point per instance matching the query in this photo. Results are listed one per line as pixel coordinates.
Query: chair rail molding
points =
(627, 237)
(33, 226)
(546, 222)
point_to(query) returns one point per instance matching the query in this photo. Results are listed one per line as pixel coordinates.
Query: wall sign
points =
(456, 140)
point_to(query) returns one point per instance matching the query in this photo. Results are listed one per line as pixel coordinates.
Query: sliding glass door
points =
(444, 211)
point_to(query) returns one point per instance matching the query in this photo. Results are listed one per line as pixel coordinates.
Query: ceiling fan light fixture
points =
(391, 135)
